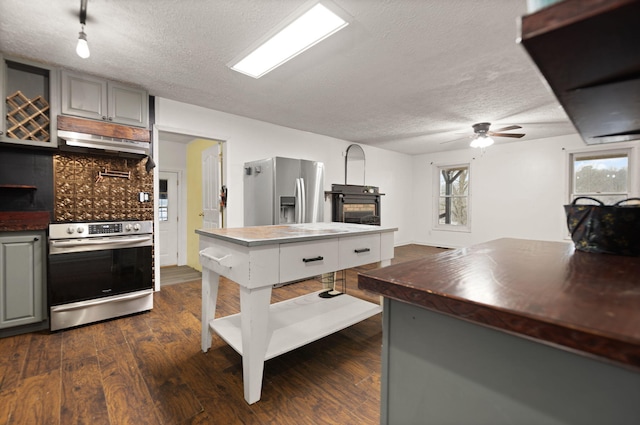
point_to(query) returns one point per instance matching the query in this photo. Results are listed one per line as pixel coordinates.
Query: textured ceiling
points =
(406, 75)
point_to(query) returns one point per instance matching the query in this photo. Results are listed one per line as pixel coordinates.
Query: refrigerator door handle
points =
(298, 206)
(303, 200)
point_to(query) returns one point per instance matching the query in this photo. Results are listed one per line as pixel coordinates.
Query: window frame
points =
(437, 170)
(620, 151)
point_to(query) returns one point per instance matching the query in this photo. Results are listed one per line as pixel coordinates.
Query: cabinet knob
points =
(104, 118)
(1, 132)
(110, 118)
(36, 239)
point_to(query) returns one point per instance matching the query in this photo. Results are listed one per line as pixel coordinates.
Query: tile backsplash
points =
(80, 194)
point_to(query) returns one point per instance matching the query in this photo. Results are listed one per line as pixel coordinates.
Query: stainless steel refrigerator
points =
(283, 190)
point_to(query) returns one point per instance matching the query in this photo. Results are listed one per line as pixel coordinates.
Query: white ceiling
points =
(406, 75)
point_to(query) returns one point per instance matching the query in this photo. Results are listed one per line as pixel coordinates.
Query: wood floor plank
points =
(8, 400)
(44, 353)
(13, 355)
(172, 397)
(304, 401)
(178, 274)
(78, 343)
(108, 334)
(39, 400)
(165, 328)
(126, 394)
(206, 374)
(135, 327)
(83, 400)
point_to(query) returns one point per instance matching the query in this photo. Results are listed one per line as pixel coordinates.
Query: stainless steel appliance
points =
(75, 141)
(99, 271)
(283, 190)
(355, 204)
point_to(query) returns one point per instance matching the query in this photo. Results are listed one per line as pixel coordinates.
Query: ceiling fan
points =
(482, 136)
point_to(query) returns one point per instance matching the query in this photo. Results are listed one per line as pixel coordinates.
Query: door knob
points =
(201, 214)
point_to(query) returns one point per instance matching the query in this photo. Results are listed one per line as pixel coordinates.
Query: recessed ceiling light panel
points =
(313, 26)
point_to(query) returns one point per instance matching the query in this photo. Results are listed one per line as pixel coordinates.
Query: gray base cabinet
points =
(95, 98)
(22, 272)
(438, 369)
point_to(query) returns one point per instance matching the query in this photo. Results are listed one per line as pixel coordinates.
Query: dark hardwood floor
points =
(149, 369)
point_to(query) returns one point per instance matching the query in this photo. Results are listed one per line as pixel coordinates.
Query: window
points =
(453, 197)
(163, 202)
(603, 175)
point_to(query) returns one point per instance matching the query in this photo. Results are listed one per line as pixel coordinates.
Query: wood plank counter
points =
(18, 221)
(525, 296)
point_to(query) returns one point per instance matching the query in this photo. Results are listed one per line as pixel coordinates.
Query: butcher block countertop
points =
(17, 221)
(545, 291)
(287, 233)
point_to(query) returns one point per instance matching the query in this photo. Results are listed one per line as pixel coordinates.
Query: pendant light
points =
(82, 49)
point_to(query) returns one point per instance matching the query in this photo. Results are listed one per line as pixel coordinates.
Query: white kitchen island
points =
(256, 258)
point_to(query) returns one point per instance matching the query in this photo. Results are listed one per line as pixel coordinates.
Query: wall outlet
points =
(143, 196)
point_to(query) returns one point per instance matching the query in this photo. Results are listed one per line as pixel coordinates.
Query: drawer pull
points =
(361, 250)
(308, 260)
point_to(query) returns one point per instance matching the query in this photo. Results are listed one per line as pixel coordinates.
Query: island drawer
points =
(359, 250)
(307, 259)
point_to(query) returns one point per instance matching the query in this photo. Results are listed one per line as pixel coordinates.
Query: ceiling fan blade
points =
(507, 128)
(514, 135)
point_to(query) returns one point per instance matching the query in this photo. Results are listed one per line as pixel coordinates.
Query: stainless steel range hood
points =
(74, 141)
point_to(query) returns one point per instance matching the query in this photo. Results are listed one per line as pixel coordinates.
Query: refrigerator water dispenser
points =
(287, 209)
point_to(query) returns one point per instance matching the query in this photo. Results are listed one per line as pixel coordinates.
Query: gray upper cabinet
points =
(99, 99)
(29, 104)
(22, 271)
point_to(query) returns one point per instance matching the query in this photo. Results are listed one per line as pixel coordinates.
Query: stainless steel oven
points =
(99, 271)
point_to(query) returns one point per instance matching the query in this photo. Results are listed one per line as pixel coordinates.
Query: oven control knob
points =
(70, 229)
(80, 230)
(136, 227)
(127, 227)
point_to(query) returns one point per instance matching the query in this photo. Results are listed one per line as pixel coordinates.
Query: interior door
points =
(211, 187)
(168, 218)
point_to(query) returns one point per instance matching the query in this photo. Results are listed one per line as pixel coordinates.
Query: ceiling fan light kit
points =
(481, 142)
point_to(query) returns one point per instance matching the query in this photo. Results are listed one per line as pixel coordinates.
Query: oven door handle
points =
(85, 304)
(114, 241)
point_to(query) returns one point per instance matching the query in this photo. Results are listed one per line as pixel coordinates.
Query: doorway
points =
(168, 217)
(179, 150)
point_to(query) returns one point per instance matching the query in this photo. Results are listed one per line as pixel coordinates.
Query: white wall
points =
(247, 139)
(173, 155)
(517, 190)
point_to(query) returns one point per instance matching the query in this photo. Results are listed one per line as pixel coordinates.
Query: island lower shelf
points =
(299, 321)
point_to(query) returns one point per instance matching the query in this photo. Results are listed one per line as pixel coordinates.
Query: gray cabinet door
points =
(128, 105)
(22, 265)
(84, 96)
(98, 99)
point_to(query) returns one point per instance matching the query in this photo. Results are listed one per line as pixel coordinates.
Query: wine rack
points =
(27, 119)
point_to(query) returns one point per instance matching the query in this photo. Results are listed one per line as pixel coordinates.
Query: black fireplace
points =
(355, 204)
